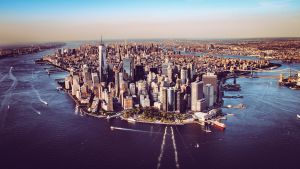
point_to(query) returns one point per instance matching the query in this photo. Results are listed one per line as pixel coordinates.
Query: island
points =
(158, 82)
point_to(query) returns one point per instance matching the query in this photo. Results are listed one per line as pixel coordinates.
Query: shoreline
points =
(28, 49)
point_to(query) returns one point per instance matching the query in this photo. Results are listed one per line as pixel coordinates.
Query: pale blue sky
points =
(48, 20)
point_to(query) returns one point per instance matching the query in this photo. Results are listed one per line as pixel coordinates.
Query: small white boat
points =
(197, 145)
(58, 88)
(112, 128)
(229, 106)
(298, 116)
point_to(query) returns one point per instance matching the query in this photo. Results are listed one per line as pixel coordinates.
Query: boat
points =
(298, 116)
(229, 106)
(131, 120)
(112, 128)
(230, 114)
(197, 145)
(58, 88)
(223, 118)
(219, 124)
(295, 88)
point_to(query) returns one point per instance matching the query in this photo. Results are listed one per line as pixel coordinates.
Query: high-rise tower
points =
(102, 62)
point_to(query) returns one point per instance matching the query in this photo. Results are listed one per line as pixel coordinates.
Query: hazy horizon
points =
(47, 21)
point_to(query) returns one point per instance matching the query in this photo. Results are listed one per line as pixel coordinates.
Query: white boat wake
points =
(36, 111)
(126, 129)
(175, 149)
(162, 148)
(38, 95)
(6, 100)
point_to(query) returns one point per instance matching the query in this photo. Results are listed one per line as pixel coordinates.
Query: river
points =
(34, 135)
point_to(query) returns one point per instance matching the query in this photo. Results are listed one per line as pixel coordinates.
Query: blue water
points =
(33, 135)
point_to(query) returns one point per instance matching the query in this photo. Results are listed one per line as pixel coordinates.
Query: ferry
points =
(298, 116)
(219, 124)
(131, 120)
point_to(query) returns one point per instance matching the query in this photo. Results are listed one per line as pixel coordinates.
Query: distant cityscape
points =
(16, 50)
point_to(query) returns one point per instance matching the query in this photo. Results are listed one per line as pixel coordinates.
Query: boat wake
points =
(162, 148)
(127, 129)
(175, 148)
(36, 111)
(8, 94)
(38, 95)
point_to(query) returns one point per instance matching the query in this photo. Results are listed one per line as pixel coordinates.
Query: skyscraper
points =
(128, 68)
(102, 62)
(86, 73)
(183, 75)
(164, 98)
(170, 73)
(171, 99)
(197, 94)
(209, 94)
(212, 79)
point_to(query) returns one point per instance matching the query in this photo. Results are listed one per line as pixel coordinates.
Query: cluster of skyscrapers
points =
(167, 86)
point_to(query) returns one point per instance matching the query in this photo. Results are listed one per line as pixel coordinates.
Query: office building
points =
(102, 63)
(208, 91)
(196, 94)
(171, 99)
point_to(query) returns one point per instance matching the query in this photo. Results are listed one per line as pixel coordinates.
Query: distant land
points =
(23, 49)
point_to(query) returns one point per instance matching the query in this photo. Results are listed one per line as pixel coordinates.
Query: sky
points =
(69, 20)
